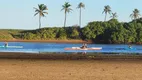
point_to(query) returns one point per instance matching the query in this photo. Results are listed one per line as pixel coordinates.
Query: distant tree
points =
(80, 6)
(29, 36)
(135, 14)
(114, 15)
(87, 33)
(67, 8)
(118, 34)
(107, 9)
(48, 33)
(92, 30)
(62, 34)
(75, 34)
(139, 32)
(41, 11)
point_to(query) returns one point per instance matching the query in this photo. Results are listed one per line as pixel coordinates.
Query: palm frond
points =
(107, 9)
(45, 12)
(114, 15)
(44, 7)
(81, 5)
(66, 7)
(35, 14)
(103, 12)
(41, 9)
(43, 15)
(40, 6)
(135, 14)
(62, 9)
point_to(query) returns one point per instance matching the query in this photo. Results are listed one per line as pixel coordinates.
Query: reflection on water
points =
(59, 48)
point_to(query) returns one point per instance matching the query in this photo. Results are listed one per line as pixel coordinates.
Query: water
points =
(59, 47)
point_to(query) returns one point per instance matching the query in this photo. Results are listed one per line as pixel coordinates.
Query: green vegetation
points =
(8, 34)
(110, 31)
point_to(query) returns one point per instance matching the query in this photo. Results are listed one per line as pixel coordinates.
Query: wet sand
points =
(23, 66)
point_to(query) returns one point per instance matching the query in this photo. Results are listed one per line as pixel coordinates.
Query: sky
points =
(19, 14)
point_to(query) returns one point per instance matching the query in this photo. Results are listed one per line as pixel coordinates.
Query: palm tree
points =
(41, 11)
(107, 9)
(114, 15)
(67, 8)
(80, 5)
(135, 14)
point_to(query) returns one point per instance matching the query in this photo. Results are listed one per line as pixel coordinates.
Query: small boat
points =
(11, 46)
(78, 48)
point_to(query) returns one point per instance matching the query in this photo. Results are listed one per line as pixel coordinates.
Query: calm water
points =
(59, 47)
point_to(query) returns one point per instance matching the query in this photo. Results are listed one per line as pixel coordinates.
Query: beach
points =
(23, 66)
(78, 40)
(35, 69)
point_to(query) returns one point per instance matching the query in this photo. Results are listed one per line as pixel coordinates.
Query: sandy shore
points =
(37, 69)
(23, 66)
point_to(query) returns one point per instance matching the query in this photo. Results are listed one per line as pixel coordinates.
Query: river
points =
(35, 47)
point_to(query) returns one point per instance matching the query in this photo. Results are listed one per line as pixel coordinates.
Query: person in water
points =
(129, 46)
(84, 46)
(5, 44)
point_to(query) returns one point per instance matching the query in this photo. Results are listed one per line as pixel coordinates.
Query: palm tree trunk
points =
(105, 16)
(80, 18)
(39, 22)
(65, 20)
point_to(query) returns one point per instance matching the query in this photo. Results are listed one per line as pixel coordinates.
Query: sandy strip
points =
(69, 56)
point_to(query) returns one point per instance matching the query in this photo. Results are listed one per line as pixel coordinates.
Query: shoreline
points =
(59, 41)
(55, 41)
(65, 56)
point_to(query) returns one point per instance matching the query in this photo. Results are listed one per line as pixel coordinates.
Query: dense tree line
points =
(50, 33)
(110, 31)
(113, 31)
